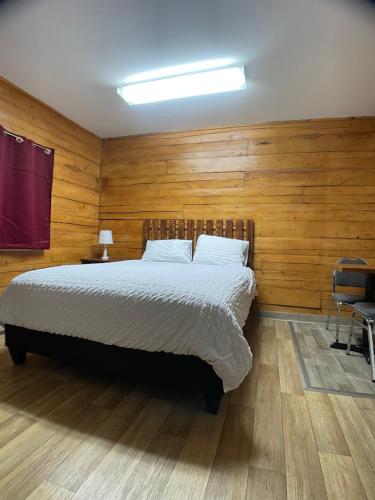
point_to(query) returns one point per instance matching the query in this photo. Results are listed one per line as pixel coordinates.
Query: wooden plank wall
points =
(308, 185)
(76, 184)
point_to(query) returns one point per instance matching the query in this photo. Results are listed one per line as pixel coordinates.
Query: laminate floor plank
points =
(369, 418)
(329, 437)
(180, 420)
(268, 443)
(228, 476)
(290, 380)
(109, 479)
(28, 441)
(81, 462)
(265, 485)
(67, 433)
(282, 330)
(359, 438)
(303, 471)
(365, 403)
(12, 426)
(268, 346)
(190, 475)
(32, 471)
(48, 491)
(341, 477)
(150, 477)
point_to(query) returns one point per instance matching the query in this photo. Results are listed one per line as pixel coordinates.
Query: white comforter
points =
(180, 308)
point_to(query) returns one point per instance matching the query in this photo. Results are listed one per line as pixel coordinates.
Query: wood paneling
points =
(76, 183)
(308, 185)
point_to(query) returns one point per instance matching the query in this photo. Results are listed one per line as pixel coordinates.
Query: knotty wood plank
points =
(210, 227)
(229, 229)
(181, 229)
(219, 228)
(239, 229)
(190, 230)
(172, 229)
(163, 229)
(199, 228)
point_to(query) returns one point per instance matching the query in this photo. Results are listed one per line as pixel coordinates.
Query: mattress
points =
(186, 309)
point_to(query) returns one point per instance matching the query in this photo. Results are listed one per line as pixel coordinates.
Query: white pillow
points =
(218, 250)
(168, 251)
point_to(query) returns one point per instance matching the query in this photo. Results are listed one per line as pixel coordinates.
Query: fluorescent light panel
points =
(177, 87)
(181, 69)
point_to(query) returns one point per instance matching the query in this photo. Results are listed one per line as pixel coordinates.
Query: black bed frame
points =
(159, 368)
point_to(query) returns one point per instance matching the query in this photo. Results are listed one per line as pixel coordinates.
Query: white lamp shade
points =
(105, 237)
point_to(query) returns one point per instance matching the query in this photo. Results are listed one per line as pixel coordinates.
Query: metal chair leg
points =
(337, 322)
(371, 349)
(350, 334)
(329, 312)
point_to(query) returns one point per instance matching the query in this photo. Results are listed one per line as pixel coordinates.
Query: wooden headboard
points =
(189, 229)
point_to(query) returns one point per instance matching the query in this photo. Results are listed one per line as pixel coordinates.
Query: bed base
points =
(157, 368)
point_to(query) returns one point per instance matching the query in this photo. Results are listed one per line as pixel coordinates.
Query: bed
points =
(169, 324)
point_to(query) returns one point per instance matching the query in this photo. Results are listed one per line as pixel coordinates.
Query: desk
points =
(369, 271)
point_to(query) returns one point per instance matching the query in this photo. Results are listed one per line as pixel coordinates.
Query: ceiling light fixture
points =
(181, 69)
(177, 87)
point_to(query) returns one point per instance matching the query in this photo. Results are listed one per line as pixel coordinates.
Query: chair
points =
(346, 279)
(367, 312)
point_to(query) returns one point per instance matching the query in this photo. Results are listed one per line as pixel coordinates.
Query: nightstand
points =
(98, 260)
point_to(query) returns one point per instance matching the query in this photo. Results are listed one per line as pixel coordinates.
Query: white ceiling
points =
(303, 58)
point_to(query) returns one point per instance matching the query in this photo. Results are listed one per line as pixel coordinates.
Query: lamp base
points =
(105, 254)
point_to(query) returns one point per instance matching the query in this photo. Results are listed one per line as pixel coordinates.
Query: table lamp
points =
(105, 238)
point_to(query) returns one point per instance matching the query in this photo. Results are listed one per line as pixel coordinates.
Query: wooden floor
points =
(67, 435)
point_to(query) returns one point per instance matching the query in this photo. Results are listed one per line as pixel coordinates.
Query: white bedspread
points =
(180, 308)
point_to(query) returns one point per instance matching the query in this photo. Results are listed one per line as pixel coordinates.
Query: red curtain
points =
(26, 173)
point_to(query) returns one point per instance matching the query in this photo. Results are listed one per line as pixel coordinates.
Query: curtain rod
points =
(21, 139)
